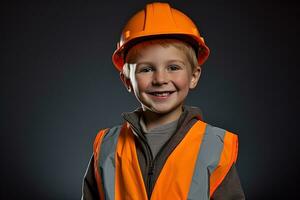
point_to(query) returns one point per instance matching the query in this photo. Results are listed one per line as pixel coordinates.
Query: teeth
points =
(161, 94)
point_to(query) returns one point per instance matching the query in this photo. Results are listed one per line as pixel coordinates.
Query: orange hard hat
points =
(159, 20)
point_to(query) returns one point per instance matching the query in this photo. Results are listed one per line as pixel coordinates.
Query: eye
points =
(145, 69)
(174, 67)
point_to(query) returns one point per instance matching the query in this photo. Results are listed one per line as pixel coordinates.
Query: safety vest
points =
(194, 169)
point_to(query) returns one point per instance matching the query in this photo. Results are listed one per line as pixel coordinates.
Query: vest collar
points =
(189, 113)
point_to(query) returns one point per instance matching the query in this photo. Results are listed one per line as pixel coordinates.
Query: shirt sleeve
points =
(89, 185)
(230, 188)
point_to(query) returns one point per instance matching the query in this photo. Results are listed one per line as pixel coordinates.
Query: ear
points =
(126, 81)
(195, 77)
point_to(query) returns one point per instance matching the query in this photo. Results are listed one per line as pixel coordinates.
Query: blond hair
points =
(134, 52)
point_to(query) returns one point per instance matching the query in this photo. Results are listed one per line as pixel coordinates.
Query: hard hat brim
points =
(202, 51)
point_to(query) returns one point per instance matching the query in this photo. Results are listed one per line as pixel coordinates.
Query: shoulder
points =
(219, 146)
(220, 135)
(106, 134)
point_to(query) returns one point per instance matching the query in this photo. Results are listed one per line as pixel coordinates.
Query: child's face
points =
(161, 78)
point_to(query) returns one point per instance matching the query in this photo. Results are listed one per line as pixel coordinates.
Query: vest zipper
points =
(150, 169)
(150, 160)
(150, 181)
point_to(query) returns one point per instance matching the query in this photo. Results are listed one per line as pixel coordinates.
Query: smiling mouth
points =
(161, 94)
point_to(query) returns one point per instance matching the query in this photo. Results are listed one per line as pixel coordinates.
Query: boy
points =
(164, 150)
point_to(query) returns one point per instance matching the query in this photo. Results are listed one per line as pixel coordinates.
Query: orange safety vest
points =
(194, 170)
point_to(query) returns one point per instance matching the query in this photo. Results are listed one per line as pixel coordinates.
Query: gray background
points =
(59, 87)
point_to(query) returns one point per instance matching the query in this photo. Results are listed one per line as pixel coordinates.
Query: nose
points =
(160, 77)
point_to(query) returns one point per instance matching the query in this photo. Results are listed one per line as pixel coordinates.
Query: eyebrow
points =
(176, 60)
(169, 61)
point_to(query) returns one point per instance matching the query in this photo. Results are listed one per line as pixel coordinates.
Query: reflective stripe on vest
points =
(194, 170)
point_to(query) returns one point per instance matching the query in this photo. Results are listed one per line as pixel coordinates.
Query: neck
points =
(153, 119)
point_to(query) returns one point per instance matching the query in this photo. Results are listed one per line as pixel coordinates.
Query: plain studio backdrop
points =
(59, 87)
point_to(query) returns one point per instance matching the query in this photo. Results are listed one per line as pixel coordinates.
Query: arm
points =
(89, 185)
(230, 188)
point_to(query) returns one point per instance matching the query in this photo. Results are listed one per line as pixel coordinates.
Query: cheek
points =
(142, 82)
(183, 82)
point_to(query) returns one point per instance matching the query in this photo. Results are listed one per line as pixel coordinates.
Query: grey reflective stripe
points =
(107, 161)
(208, 159)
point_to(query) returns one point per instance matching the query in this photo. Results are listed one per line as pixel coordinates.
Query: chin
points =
(164, 110)
(156, 110)
(161, 108)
